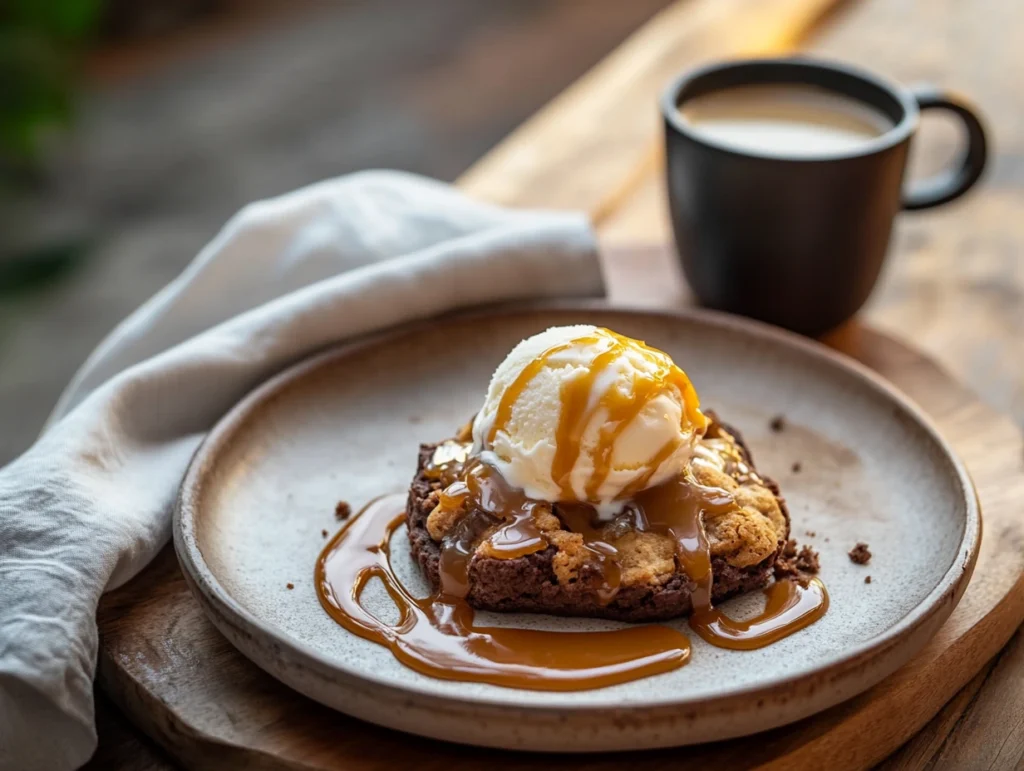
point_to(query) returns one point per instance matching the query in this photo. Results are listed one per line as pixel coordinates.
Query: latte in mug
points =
(784, 120)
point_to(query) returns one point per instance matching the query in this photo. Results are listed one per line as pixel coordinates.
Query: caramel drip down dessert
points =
(590, 483)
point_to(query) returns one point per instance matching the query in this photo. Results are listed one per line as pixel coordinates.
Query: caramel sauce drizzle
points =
(481, 489)
(438, 636)
(578, 407)
(599, 541)
(676, 510)
(505, 518)
(790, 607)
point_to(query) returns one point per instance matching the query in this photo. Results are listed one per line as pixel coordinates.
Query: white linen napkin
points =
(89, 505)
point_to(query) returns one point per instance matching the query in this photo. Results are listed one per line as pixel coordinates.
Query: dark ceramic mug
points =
(800, 241)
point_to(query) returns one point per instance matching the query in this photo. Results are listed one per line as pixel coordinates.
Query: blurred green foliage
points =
(22, 274)
(40, 43)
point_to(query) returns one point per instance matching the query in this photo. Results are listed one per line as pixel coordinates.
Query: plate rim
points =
(219, 604)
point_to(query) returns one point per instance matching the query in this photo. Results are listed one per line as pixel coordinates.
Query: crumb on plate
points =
(797, 562)
(860, 554)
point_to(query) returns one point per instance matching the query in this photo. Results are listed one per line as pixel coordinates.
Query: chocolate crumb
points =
(867, 579)
(797, 563)
(290, 586)
(810, 533)
(778, 424)
(797, 467)
(807, 560)
(860, 555)
(342, 510)
(323, 533)
(826, 539)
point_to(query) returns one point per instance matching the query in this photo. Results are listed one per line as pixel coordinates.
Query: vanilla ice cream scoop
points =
(584, 414)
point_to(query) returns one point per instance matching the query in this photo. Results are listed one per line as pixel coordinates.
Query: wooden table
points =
(955, 282)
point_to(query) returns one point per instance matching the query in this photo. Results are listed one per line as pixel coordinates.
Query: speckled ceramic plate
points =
(346, 426)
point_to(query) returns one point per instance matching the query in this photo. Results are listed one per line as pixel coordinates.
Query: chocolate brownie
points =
(559, 580)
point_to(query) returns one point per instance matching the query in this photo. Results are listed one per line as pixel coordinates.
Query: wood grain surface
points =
(953, 286)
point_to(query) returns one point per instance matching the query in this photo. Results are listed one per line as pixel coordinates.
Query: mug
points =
(799, 241)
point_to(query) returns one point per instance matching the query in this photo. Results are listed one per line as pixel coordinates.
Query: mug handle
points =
(952, 183)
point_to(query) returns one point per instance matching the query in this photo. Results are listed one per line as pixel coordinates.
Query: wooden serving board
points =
(175, 676)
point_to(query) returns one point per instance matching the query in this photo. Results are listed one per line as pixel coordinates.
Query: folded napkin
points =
(89, 505)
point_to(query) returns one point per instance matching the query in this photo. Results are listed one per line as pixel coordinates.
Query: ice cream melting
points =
(582, 414)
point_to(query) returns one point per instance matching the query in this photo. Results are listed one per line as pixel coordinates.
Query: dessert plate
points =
(856, 460)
